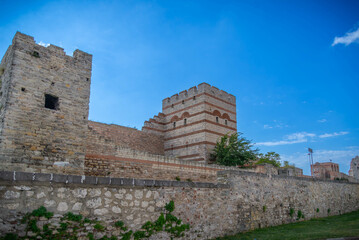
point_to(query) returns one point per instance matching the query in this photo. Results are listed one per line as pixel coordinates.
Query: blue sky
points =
(293, 65)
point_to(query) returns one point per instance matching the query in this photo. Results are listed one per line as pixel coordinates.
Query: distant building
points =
(354, 168)
(326, 170)
(290, 171)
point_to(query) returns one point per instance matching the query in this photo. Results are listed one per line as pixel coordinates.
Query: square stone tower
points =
(44, 107)
(193, 120)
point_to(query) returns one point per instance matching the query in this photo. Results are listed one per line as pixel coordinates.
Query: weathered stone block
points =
(42, 177)
(24, 176)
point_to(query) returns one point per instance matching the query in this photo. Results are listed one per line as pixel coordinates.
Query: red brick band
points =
(190, 145)
(194, 132)
(190, 124)
(191, 115)
(202, 121)
(189, 156)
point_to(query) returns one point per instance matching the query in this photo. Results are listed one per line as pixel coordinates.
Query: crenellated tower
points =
(44, 107)
(193, 120)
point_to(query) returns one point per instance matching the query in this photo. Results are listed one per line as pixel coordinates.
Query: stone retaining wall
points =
(242, 201)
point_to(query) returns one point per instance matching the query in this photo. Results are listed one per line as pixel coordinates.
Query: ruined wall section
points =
(109, 153)
(46, 108)
(119, 136)
(155, 125)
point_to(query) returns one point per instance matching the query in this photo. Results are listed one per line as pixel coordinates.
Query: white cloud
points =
(300, 137)
(322, 120)
(290, 139)
(275, 124)
(41, 43)
(327, 135)
(349, 38)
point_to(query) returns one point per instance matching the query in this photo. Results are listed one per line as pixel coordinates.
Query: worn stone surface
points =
(33, 136)
(211, 211)
(354, 168)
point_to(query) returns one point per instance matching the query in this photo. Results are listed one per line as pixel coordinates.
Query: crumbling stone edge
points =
(14, 176)
(226, 173)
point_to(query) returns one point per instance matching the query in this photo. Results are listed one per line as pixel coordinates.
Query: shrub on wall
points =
(73, 224)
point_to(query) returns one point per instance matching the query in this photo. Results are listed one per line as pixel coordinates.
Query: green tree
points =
(233, 150)
(270, 158)
(287, 165)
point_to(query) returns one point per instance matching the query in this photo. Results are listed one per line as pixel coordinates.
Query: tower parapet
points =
(196, 90)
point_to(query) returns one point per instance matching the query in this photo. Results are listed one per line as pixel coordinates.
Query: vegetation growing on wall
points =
(39, 226)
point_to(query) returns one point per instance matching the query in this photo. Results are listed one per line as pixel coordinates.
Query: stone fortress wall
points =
(124, 173)
(112, 151)
(240, 202)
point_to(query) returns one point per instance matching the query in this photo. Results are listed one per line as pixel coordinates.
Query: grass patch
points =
(346, 225)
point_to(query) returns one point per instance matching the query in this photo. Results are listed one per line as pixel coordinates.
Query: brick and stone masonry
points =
(192, 121)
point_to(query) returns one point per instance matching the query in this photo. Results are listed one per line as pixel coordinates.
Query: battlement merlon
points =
(28, 43)
(201, 88)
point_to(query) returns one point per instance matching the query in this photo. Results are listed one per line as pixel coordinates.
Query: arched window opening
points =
(225, 116)
(217, 120)
(174, 124)
(185, 121)
(226, 122)
(216, 113)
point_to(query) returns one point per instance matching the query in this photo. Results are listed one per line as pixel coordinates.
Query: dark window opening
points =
(194, 97)
(35, 54)
(185, 121)
(182, 101)
(51, 102)
(172, 105)
(23, 89)
(225, 122)
(216, 119)
(87, 79)
(52, 84)
(174, 124)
